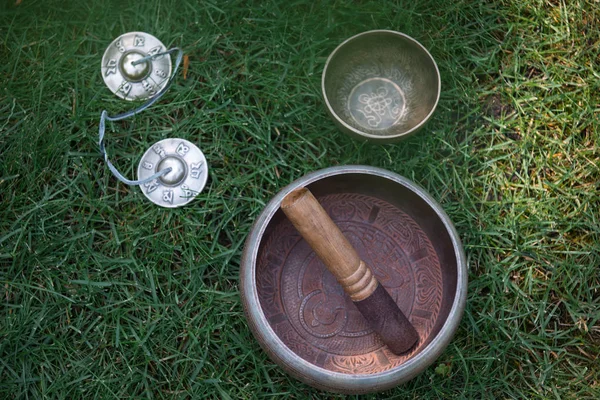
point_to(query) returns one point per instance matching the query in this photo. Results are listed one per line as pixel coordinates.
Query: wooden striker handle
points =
(329, 243)
(370, 298)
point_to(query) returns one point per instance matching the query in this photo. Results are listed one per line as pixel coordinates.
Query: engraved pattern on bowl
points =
(380, 85)
(318, 314)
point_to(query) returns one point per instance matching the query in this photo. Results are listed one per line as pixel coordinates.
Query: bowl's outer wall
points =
(319, 377)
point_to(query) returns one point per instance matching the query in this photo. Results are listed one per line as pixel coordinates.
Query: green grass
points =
(106, 295)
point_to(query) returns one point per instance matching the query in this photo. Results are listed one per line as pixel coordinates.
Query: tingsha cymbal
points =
(129, 78)
(186, 179)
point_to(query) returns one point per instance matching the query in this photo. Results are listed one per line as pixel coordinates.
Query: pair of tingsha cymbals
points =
(130, 74)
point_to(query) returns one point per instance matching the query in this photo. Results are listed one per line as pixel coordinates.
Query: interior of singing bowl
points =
(398, 234)
(381, 83)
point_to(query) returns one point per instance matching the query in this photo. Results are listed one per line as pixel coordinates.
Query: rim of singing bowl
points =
(320, 377)
(365, 135)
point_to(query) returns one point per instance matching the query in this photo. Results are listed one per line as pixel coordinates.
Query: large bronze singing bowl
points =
(380, 85)
(299, 313)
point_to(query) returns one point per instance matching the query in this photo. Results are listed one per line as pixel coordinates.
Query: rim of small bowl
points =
(366, 134)
(311, 373)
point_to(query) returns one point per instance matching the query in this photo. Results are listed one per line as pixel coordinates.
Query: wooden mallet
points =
(340, 258)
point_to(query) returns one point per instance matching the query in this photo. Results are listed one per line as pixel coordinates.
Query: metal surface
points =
(186, 179)
(380, 85)
(297, 310)
(131, 81)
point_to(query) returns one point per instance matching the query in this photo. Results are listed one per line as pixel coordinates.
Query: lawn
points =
(106, 295)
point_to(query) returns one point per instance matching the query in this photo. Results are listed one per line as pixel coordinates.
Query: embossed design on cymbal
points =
(129, 79)
(187, 178)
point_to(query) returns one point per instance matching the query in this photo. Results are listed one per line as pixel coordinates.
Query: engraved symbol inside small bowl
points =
(131, 72)
(377, 103)
(178, 170)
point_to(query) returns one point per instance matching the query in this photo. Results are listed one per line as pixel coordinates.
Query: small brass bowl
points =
(298, 312)
(380, 85)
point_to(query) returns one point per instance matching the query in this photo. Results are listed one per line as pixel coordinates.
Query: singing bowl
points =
(299, 313)
(380, 85)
